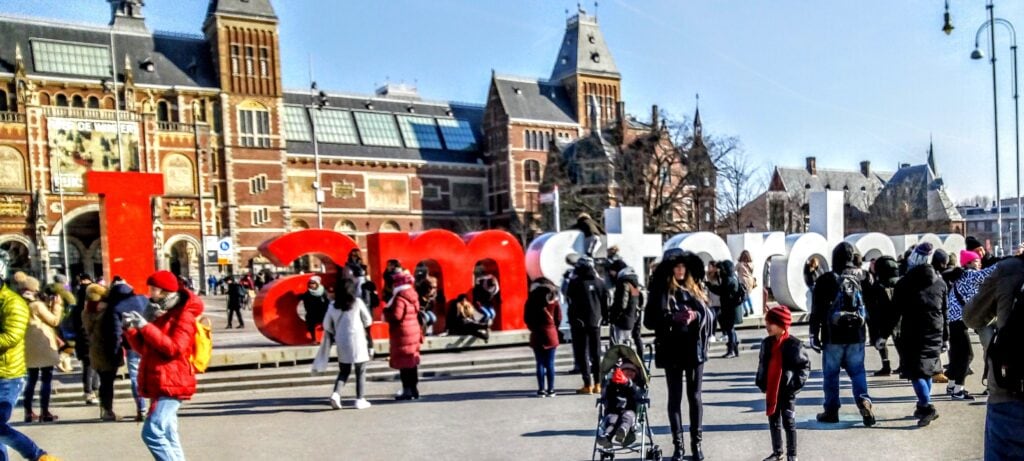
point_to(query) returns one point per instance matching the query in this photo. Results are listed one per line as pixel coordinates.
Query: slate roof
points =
(534, 99)
(798, 179)
(583, 50)
(180, 60)
(261, 8)
(938, 205)
(460, 111)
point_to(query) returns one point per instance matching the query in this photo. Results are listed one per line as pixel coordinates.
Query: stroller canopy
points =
(626, 354)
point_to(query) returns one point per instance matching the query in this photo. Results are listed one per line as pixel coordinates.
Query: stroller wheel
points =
(654, 453)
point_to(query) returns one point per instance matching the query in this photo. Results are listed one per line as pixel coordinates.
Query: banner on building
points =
(77, 146)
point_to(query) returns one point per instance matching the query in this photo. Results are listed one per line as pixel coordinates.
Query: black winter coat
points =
(625, 308)
(678, 345)
(730, 295)
(796, 366)
(825, 290)
(621, 397)
(588, 300)
(316, 308)
(920, 300)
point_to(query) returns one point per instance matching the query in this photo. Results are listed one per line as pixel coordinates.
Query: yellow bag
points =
(203, 349)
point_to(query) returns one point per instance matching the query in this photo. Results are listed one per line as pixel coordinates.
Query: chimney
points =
(654, 117)
(865, 168)
(812, 165)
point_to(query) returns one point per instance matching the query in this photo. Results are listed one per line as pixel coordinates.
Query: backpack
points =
(1004, 350)
(203, 348)
(848, 313)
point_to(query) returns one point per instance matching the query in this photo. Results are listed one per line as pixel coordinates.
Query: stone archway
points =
(22, 253)
(82, 226)
(181, 256)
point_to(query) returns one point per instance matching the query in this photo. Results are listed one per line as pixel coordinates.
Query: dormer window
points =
(591, 39)
(595, 56)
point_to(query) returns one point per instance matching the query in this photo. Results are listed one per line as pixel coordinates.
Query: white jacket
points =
(348, 330)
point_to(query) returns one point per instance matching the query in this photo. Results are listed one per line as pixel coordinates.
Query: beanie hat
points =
(402, 278)
(163, 280)
(924, 249)
(315, 278)
(940, 259)
(779, 316)
(967, 257)
(973, 243)
(618, 377)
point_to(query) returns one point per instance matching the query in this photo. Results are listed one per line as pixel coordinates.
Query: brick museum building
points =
(237, 150)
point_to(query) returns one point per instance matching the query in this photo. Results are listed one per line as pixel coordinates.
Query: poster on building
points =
(77, 146)
(301, 195)
(387, 194)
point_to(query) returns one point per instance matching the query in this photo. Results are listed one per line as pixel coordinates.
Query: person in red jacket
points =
(543, 316)
(165, 338)
(402, 315)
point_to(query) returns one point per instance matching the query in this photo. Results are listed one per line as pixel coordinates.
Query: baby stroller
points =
(624, 357)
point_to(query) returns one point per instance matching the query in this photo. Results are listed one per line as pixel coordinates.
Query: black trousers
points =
(238, 312)
(638, 340)
(694, 380)
(961, 352)
(107, 389)
(784, 417)
(586, 343)
(410, 379)
(90, 380)
(44, 392)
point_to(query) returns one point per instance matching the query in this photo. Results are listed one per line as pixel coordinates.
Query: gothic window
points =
(235, 57)
(531, 171)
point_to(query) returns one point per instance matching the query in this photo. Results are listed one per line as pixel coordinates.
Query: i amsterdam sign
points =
(275, 310)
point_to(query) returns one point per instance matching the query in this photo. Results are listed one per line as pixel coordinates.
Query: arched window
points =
(390, 226)
(299, 224)
(62, 101)
(12, 170)
(531, 171)
(163, 111)
(179, 175)
(93, 102)
(77, 101)
(108, 103)
(346, 227)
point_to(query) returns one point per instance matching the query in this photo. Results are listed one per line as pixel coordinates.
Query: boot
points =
(885, 370)
(774, 457)
(867, 413)
(928, 414)
(695, 445)
(107, 414)
(776, 434)
(47, 417)
(828, 416)
(677, 444)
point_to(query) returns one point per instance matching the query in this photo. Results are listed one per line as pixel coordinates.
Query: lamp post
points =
(199, 189)
(59, 185)
(977, 54)
(317, 100)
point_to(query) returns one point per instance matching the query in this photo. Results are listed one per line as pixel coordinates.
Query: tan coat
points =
(41, 336)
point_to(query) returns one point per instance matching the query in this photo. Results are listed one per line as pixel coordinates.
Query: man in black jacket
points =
(836, 335)
(588, 310)
(90, 380)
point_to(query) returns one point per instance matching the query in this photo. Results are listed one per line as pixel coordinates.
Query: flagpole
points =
(558, 215)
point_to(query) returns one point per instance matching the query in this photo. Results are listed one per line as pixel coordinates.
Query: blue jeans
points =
(1003, 438)
(748, 306)
(160, 431)
(923, 390)
(133, 375)
(10, 390)
(849, 357)
(488, 312)
(545, 368)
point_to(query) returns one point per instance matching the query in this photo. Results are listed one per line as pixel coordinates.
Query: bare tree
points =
(739, 182)
(977, 200)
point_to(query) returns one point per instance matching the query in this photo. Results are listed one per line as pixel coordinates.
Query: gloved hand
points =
(945, 347)
(685, 317)
(815, 344)
(134, 320)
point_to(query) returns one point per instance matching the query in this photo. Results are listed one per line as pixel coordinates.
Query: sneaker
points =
(604, 441)
(928, 415)
(867, 414)
(542, 394)
(950, 388)
(336, 401)
(48, 417)
(828, 417)
(107, 415)
(362, 404)
(884, 371)
(90, 399)
(774, 457)
(963, 395)
(551, 393)
(31, 417)
(585, 390)
(620, 434)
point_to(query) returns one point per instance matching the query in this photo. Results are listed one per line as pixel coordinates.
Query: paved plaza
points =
(497, 417)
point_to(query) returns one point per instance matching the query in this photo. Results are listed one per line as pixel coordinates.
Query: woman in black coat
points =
(726, 284)
(678, 313)
(919, 299)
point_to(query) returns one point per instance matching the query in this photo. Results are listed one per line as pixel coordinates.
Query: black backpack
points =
(848, 313)
(1004, 350)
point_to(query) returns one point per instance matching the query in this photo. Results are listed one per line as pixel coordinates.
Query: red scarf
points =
(775, 373)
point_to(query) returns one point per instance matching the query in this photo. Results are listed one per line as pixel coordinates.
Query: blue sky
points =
(843, 81)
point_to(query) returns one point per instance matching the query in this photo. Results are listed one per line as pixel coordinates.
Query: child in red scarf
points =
(620, 396)
(781, 373)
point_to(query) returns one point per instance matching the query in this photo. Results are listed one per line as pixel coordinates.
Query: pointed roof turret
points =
(698, 126)
(931, 157)
(258, 8)
(584, 50)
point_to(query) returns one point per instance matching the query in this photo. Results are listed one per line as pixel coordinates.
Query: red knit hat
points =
(779, 316)
(163, 280)
(618, 377)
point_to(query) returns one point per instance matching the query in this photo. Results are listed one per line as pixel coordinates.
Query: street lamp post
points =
(977, 54)
(199, 188)
(317, 100)
(59, 185)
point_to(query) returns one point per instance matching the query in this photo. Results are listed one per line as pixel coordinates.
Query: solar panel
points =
(378, 129)
(419, 132)
(296, 125)
(335, 126)
(458, 134)
(71, 58)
